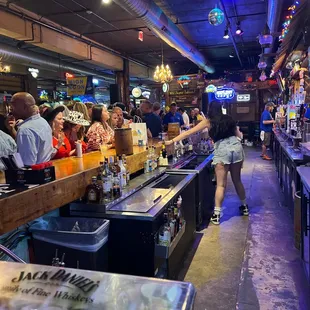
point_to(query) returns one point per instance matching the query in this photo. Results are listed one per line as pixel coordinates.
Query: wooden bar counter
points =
(72, 176)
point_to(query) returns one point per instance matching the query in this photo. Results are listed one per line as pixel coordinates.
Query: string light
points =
(289, 17)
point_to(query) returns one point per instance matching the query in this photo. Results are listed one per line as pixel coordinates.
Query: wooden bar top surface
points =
(72, 176)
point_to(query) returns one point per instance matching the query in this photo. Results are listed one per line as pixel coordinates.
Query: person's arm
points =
(267, 120)
(10, 124)
(205, 123)
(238, 133)
(26, 144)
(149, 134)
(181, 121)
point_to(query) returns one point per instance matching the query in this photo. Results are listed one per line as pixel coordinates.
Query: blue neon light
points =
(225, 94)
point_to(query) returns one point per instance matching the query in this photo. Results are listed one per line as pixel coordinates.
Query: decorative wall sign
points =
(211, 89)
(243, 97)
(182, 92)
(165, 87)
(225, 94)
(136, 92)
(243, 110)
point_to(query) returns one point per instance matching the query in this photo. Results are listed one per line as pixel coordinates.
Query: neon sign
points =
(210, 89)
(225, 94)
(184, 80)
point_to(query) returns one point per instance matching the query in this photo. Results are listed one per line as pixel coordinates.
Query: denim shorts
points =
(228, 151)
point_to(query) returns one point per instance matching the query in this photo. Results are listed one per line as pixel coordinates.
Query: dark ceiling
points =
(114, 27)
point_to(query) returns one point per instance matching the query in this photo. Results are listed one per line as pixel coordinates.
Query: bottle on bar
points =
(190, 145)
(127, 169)
(123, 176)
(107, 183)
(117, 190)
(93, 192)
(165, 156)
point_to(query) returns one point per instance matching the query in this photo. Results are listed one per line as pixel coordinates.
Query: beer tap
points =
(55, 261)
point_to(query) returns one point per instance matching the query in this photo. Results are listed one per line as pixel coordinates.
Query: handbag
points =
(139, 132)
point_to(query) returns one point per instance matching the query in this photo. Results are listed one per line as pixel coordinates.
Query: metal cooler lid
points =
(142, 201)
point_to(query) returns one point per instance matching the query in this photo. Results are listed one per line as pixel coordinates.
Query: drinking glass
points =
(103, 148)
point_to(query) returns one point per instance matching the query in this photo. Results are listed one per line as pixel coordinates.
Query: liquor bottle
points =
(190, 145)
(99, 179)
(117, 190)
(165, 233)
(107, 183)
(123, 176)
(165, 156)
(154, 158)
(111, 165)
(127, 169)
(180, 215)
(117, 168)
(147, 163)
(93, 192)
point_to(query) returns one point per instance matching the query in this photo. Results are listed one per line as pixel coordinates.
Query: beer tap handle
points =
(55, 261)
(62, 262)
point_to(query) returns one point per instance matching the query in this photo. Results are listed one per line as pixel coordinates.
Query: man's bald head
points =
(23, 105)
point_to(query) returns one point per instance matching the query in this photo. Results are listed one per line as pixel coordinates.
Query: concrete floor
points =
(249, 263)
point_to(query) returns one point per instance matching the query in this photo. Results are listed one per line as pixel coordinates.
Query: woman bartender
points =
(228, 155)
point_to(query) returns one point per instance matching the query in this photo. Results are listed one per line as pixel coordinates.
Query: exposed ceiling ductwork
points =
(273, 18)
(155, 19)
(21, 56)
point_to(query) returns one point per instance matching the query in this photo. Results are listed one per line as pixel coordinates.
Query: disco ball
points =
(216, 17)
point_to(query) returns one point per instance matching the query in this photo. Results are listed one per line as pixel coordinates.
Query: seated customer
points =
(7, 145)
(61, 144)
(113, 120)
(122, 122)
(34, 135)
(99, 132)
(153, 121)
(74, 129)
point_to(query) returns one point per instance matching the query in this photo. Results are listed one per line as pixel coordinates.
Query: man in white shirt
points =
(185, 117)
(34, 135)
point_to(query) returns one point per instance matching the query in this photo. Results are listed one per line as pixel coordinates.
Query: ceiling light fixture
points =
(106, 1)
(163, 73)
(231, 55)
(226, 34)
(239, 31)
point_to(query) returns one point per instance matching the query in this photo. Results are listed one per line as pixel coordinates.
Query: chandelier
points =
(163, 73)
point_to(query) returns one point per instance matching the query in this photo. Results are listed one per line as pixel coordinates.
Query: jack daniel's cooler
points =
(43, 287)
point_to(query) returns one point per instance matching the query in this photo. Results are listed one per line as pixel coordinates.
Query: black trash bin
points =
(83, 240)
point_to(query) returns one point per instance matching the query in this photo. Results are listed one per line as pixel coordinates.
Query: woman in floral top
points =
(99, 132)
